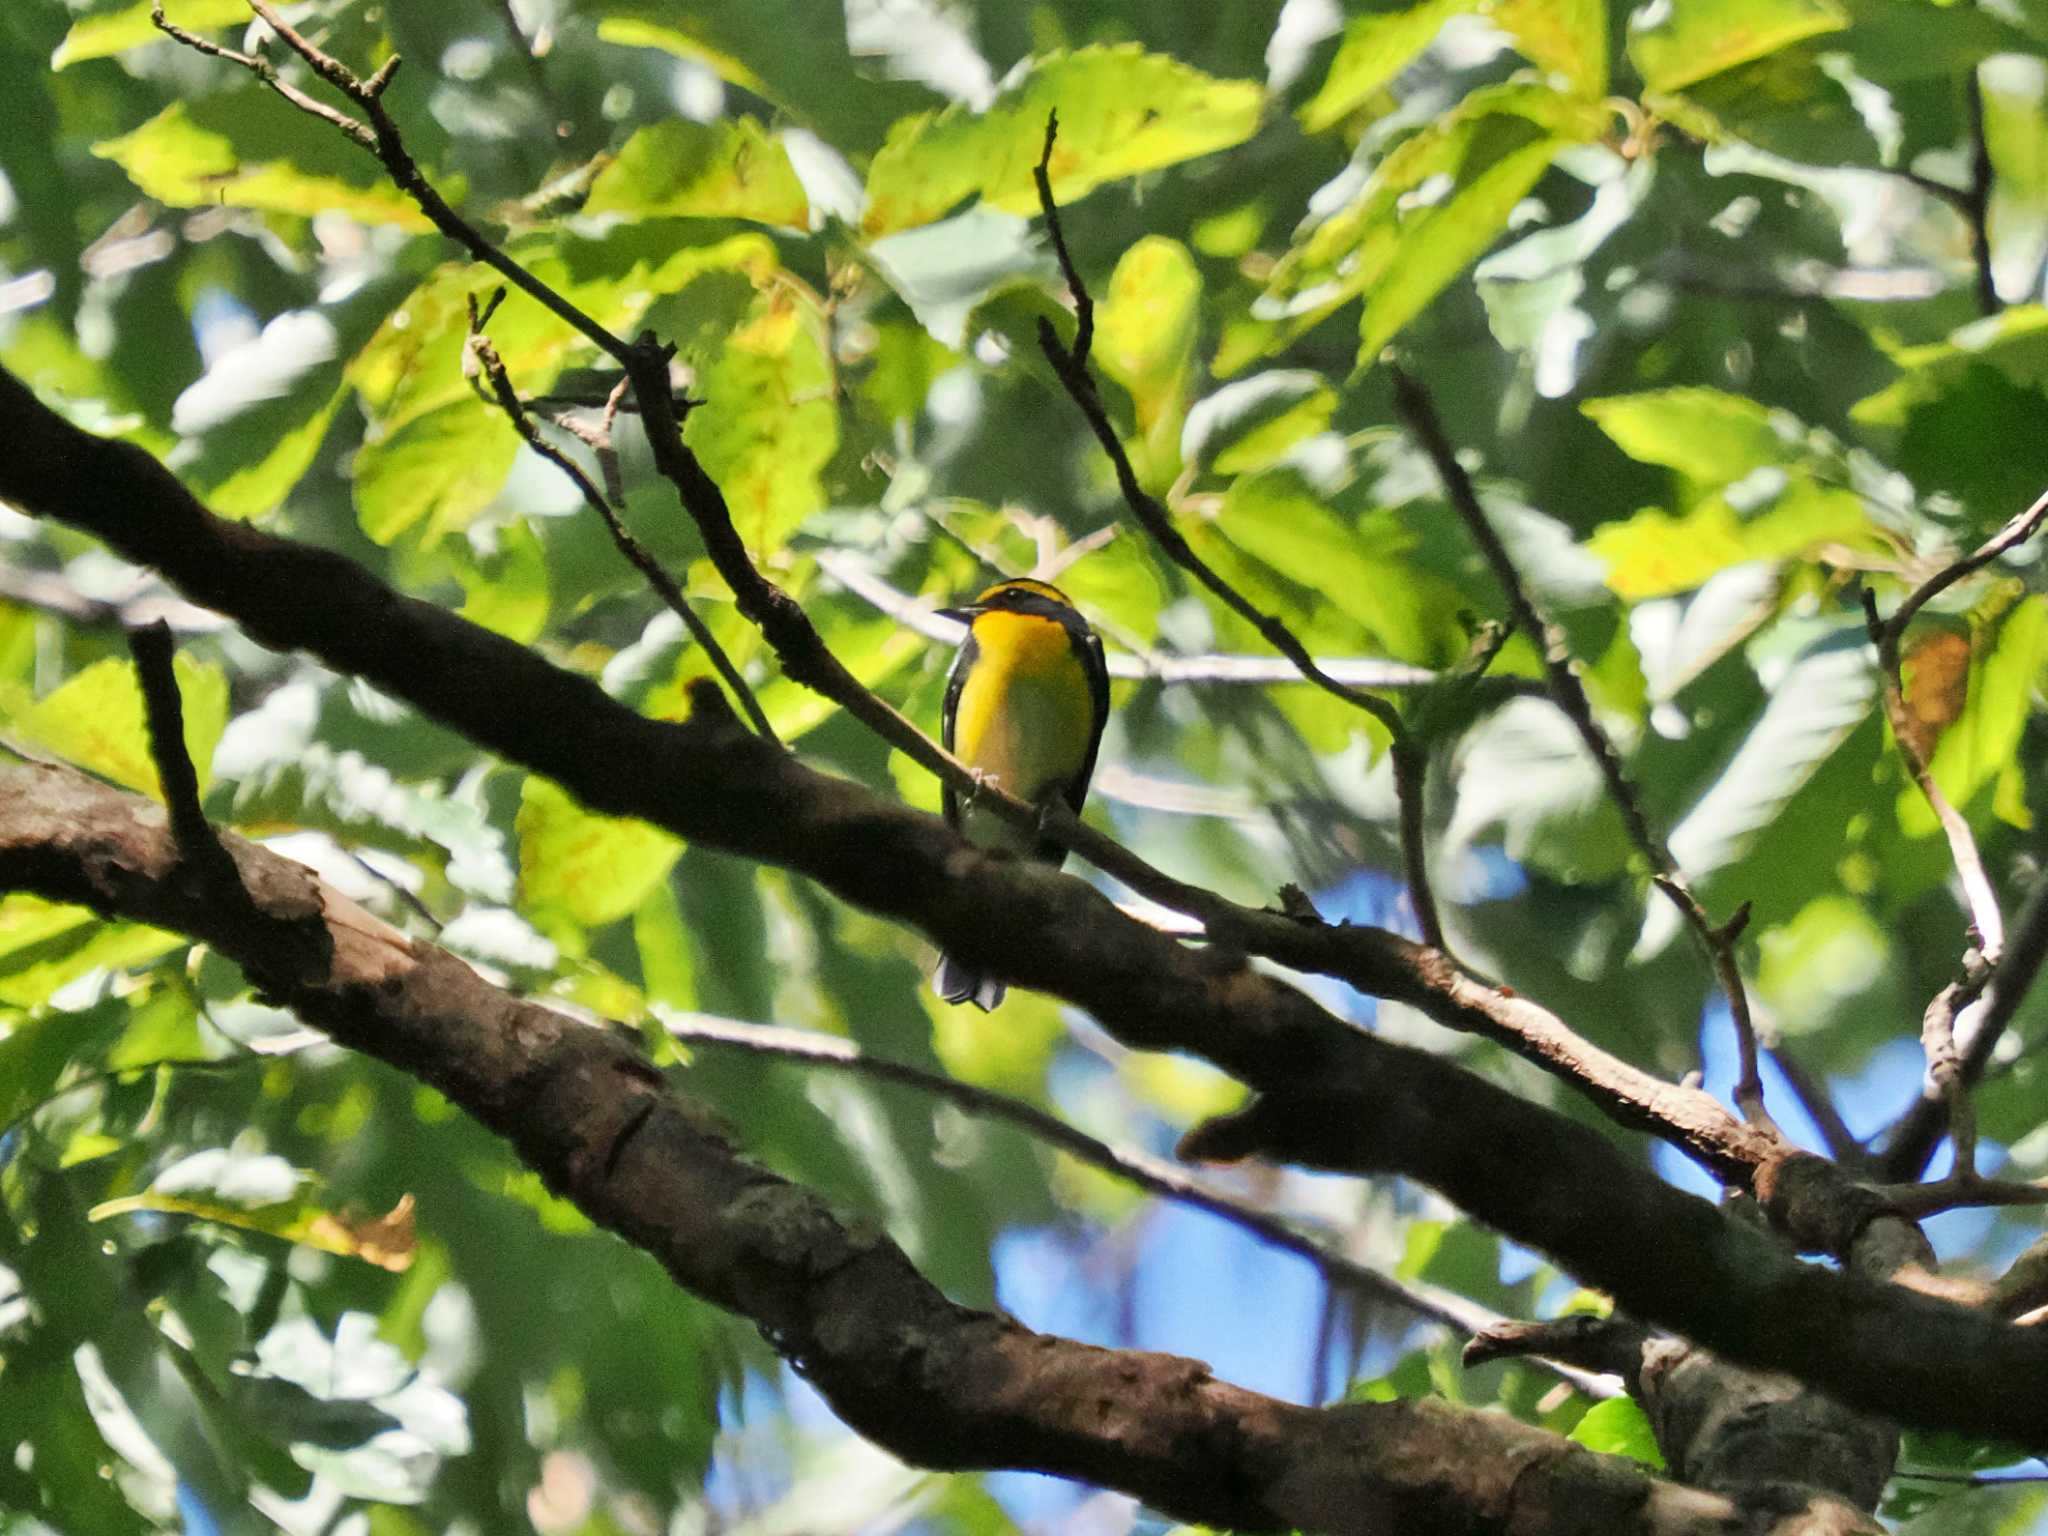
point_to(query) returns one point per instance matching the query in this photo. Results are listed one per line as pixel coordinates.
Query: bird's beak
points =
(961, 615)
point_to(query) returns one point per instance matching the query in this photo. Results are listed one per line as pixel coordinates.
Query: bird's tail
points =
(955, 983)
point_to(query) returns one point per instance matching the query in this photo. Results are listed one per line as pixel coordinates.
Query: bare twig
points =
(1610, 1345)
(1987, 926)
(1375, 961)
(1084, 306)
(486, 359)
(1412, 400)
(1915, 1135)
(1949, 1068)
(380, 136)
(2023, 1288)
(1071, 365)
(1957, 1192)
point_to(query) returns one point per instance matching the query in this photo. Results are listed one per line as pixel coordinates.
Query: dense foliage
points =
(1734, 305)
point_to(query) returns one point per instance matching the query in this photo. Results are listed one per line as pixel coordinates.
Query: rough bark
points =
(939, 1384)
(1332, 1097)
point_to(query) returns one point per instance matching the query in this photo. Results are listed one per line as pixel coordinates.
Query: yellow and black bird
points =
(1025, 707)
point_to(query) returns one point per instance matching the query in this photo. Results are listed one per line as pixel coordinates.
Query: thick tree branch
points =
(509, 701)
(936, 1383)
(1334, 1097)
(1167, 1180)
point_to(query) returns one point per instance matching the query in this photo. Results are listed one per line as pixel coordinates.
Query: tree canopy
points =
(1553, 931)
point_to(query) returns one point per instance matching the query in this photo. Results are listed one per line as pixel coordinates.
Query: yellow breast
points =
(1025, 715)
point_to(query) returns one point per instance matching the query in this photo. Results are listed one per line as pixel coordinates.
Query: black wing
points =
(1088, 650)
(956, 680)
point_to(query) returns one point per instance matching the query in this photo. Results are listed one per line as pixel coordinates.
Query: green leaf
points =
(384, 1241)
(1827, 692)
(96, 721)
(769, 425)
(1476, 163)
(1145, 340)
(1709, 436)
(248, 150)
(1375, 48)
(1251, 423)
(413, 364)
(577, 865)
(1439, 244)
(729, 169)
(440, 469)
(1121, 110)
(1276, 516)
(1619, 1427)
(1983, 743)
(507, 583)
(793, 53)
(1654, 554)
(112, 32)
(1566, 37)
(1672, 45)
(45, 945)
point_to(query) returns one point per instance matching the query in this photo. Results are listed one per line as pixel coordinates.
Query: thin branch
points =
(1071, 365)
(936, 1383)
(1608, 1345)
(380, 136)
(485, 358)
(199, 847)
(1977, 208)
(1987, 926)
(2023, 1288)
(1148, 1173)
(1960, 1191)
(1084, 306)
(1915, 1135)
(1412, 400)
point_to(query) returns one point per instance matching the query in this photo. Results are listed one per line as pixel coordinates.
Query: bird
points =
(1026, 704)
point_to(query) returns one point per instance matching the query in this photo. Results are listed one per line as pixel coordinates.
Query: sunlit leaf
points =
(1121, 111)
(1654, 554)
(385, 1241)
(110, 32)
(1375, 48)
(440, 469)
(578, 865)
(96, 720)
(730, 169)
(1619, 1427)
(1707, 435)
(769, 424)
(1675, 43)
(1251, 423)
(249, 150)
(1566, 37)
